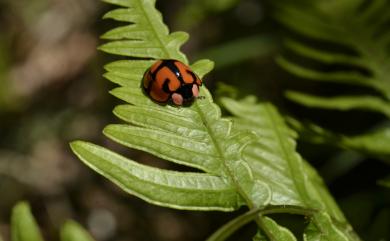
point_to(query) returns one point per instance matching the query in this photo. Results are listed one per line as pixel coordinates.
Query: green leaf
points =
(238, 167)
(277, 232)
(118, 72)
(72, 231)
(274, 159)
(311, 132)
(274, 231)
(229, 228)
(181, 190)
(340, 22)
(25, 228)
(345, 77)
(358, 30)
(321, 194)
(312, 233)
(174, 147)
(323, 56)
(375, 142)
(23, 224)
(325, 229)
(146, 36)
(370, 103)
(202, 67)
(194, 136)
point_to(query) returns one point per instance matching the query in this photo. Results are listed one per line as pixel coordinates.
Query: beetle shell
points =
(171, 80)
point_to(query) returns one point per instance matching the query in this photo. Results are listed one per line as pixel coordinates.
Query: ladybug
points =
(171, 80)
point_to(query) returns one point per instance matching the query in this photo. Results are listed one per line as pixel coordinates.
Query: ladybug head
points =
(185, 94)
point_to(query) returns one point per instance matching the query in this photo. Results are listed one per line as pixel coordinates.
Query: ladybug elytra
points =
(171, 80)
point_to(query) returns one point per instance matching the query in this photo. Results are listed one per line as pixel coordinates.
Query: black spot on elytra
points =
(166, 86)
(186, 91)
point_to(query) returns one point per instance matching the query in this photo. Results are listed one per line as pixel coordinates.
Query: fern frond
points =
(375, 142)
(346, 24)
(360, 30)
(369, 103)
(181, 190)
(146, 36)
(273, 158)
(196, 136)
(273, 178)
(344, 77)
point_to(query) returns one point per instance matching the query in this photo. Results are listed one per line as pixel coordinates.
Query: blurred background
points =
(52, 92)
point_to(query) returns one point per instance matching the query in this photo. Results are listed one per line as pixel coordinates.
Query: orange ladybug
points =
(171, 80)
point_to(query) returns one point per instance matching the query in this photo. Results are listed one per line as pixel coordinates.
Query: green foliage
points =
(25, 228)
(272, 156)
(374, 143)
(161, 187)
(369, 103)
(353, 27)
(344, 26)
(275, 161)
(72, 231)
(278, 232)
(196, 136)
(23, 224)
(249, 160)
(229, 228)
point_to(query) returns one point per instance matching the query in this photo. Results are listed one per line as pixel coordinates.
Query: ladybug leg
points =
(195, 90)
(177, 99)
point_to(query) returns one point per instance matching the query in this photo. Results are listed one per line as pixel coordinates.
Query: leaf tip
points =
(21, 206)
(74, 144)
(202, 67)
(78, 146)
(101, 47)
(72, 230)
(108, 129)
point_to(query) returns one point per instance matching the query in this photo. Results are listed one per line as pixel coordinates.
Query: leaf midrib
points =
(202, 116)
(220, 153)
(292, 166)
(209, 131)
(155, 32)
